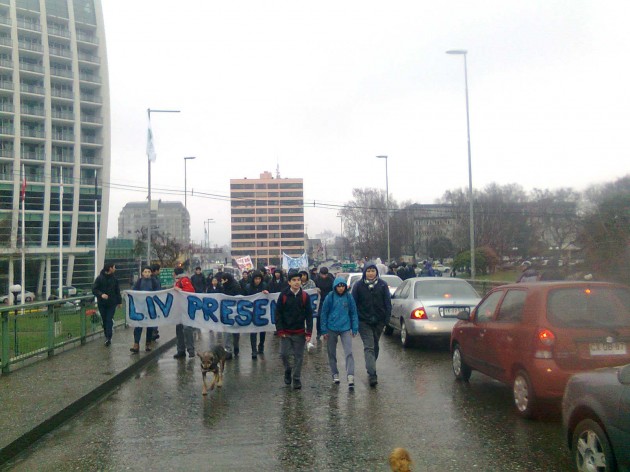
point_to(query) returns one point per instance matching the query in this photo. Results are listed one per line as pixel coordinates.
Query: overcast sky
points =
(321, 88)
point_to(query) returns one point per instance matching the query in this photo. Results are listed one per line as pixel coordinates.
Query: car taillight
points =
(419, 314)
(545, 341)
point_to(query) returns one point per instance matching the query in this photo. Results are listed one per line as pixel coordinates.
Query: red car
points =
(534, 336)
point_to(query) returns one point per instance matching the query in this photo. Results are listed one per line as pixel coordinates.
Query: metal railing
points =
(39, 329)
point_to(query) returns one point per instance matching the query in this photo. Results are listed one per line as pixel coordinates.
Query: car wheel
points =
(591, 449)
(28, 299)
(388, 330)
(524, 397)
(405, 339)
(461, 370)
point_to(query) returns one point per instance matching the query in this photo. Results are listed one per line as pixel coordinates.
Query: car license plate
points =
(452, 311)
(607, 349)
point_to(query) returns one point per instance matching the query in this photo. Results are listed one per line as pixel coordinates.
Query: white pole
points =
(60, 233)
(23, 274)
(95, 228)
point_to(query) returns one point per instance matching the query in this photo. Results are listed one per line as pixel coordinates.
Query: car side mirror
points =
(624, 375)
(463, 315)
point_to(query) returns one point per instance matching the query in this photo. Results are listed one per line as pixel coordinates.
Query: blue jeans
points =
(346, 343)
(370, 334)
(107, 317)
(137, 333)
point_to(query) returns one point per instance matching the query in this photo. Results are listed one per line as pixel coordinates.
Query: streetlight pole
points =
(341, 239)
(151, 158)
(463, 52)
(389, 256)
(186, 159)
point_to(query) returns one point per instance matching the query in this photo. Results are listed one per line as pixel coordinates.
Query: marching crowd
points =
(341, 314)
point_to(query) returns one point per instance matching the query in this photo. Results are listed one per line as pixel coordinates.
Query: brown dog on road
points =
(212, 361)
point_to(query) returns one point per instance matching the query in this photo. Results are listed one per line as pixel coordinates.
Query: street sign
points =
(166, 277)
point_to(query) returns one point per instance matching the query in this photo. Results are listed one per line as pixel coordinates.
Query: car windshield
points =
(429, 289)
(589, 307)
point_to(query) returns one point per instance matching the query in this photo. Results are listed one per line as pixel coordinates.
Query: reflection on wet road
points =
(159, 420)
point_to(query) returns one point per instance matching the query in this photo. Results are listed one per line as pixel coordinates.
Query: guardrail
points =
(484, 286)
(39, 329)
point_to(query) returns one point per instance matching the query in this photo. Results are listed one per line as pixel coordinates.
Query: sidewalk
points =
(39, 397)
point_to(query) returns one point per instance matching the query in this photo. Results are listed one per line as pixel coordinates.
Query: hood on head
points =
(227, 276)
(256, 273)
(369, 264)
(340, 281)
(303, 272)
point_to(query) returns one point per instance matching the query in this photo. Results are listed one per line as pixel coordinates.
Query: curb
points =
(26, 440)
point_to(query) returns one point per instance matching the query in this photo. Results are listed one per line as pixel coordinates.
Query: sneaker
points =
(373, 381)
(108, 343)
(261, 349)
(297, 384)
(191, 354)
(179, 355)
(336, 379)
(254, 356)
(287, 377)
(147, 348)
(135, 349)
(350, 381)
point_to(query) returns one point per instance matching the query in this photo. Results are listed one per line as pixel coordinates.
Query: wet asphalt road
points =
(160, 421)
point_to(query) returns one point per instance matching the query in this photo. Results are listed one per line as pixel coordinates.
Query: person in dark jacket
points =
(229, 286)
(183, 333)
(198, 280)
(245, 279)
(155, 273)
(146, 283)
(107, 292)
(294, 322)
(324, 282)
(374, 305)
(277, 284)
(257, 285)
(214, 286)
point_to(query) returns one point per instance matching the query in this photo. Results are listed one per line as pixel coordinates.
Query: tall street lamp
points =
(151, 158)
(463, 52)
(186, 159)
(389, 256)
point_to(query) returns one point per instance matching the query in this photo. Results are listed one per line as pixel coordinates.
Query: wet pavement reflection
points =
(159, 420)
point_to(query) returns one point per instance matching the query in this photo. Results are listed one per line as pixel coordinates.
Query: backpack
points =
(185, 284)
(305, 297)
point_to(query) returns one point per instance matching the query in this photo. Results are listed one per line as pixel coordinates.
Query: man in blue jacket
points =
(374, 305)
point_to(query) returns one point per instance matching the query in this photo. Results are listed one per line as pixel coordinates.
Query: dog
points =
(213, 361)
(400, 460)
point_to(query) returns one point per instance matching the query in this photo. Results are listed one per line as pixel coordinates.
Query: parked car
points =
(427, 307)
(28, 297)
(392, 281)
(596, 419)
(534, 336)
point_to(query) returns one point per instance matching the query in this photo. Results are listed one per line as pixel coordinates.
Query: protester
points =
(294, 322)
(306, 282)
(155, 273)
(184, 333)
(244, 280)
(199, 281)
(528, 274)
(277, 284)
(324, 283)
(374, 305)
(107, 293)
(145, 283)
(257, 285)
(229, 286)
(339, 319)
(214, 286)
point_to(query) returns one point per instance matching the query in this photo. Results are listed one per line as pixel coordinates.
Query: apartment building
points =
(54, 124)
(168, 218)
(267, 218)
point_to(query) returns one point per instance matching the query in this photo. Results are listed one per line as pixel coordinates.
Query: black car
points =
(596, 419)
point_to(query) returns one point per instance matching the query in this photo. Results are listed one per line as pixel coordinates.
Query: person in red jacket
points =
(184, 333)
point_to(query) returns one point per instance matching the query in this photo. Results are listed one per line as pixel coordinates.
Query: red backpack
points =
(185, 284)
(305, 297)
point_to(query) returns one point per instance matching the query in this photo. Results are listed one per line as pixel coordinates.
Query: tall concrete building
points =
(267, 218)
(169, 218)
(54, 124)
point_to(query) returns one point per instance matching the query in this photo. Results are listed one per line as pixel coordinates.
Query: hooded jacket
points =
(339, 312)
(107, 284)
(294, 313)
(277, 285)
(231, 286)
(309, 283)
(373, 300)
(251, 287)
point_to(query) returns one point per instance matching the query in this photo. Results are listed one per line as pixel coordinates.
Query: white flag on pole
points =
(150, 146)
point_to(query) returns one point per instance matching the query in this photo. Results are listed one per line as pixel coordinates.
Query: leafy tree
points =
(462, 262)
(440, 247)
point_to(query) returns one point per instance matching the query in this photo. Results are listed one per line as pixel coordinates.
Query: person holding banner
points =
(146, 283)
(231, 287)
(184, 333)
(294, 322)
(257, 285)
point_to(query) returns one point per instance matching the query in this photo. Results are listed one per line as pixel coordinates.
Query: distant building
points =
(168, 218)
(54, 125)
(267, 218)
(430, 221)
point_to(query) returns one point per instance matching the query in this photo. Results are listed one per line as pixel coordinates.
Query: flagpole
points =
(23, 274)
(60, 234)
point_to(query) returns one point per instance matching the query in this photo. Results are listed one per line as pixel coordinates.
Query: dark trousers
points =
(261, 346)
(107, 317)
(184, 338)
(293, 344)
(370, 335)
(137, 333)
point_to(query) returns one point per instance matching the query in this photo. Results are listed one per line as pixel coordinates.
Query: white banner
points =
(299, 263)
(244, 263)
(209, 311)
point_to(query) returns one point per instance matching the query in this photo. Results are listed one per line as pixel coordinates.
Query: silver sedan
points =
(428, 307)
